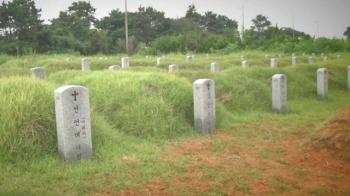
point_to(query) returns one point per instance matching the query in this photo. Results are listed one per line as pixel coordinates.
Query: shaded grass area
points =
(140, 113)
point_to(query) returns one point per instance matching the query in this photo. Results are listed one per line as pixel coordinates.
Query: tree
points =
(260, 23)
(347, 33)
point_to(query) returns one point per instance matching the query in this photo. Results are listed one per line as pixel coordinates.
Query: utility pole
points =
(126, 29)
(243, 24)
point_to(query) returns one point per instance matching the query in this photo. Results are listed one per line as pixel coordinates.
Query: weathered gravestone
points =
(125, 62)
(313, 54)
(311, 59)
(73, 123)
(294, 60)
(245, 64)
(214, 67)
(38, 72)
(242, 57)
(280, 56)
(267, 57)
(348, 77)
(273, 63)
(68, 59)
(279, 93)
(115, 68)
(159, 61)
(173, 68)
(293, 55)
(188, 59)
(338, 57)
(325, 58)
(85, 65)
(322, 83)
(204, 106)
(322, 54)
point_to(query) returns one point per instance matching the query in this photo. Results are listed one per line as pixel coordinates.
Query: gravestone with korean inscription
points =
(159, 61)
(294, 60)
(273, 63)
(279, 93)
(322, 83)
(214, 67)
(245, 64)
(173, 68)
(125, 62)
(73, 123)
(115, 68)
(204, 106)
(85, 65)
(189, 59)
(38, 72)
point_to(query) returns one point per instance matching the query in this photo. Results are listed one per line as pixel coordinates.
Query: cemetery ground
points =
(142, 128)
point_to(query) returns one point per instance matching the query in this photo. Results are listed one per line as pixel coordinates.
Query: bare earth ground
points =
(293, 166)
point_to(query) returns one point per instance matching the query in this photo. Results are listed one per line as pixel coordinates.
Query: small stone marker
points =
(207, 55)
(322, 54)
(338, 57)
(73, 123)
(189, 59)
(293, 55)
(273, 63)
(245, 64)
(68, 59)
(311, 59)
(267, 57)
(280, 56)
(294, 60)
(348, 77)
(38, 72)
(147, 57)
(115, 68)
(125, 62)
(322, 83)
(85, 65)
(173, 68)
(325, 58)
(242, 57)
(279, 93)
(159, 61)
(303, 54)
(204, 106)
(193, 57)
(214, 67)
(313, 54)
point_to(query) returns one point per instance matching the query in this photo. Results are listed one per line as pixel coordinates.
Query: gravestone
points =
(214, 67)
(85, 65)
(73, 123)
(348, 77)
(267, 57)
(313, 54)
(68, 59)
(245, 64)
(115, 68)
(279, 93)
(294, 60)
(325, 58)
(311, 59)
(147, 57)
(38, 72)
(322, 54)
(159, 61)
(293, 55)
(189, 59)
(322, 83)
(273, 63)
(242, 57)
(173, 68)
(204, 106)
(303, 54)
(207, 55)
(125, 62)
(193, 57)
(338, 57)
(280, 56)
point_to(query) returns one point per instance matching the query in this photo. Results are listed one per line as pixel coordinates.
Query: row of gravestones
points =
(73, 112)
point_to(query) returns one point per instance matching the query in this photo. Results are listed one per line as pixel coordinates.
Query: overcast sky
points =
(327, 18)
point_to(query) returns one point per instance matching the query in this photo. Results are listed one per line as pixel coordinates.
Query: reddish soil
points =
(294, 166)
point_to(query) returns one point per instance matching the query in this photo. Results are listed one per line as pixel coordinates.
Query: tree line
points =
(77, 30)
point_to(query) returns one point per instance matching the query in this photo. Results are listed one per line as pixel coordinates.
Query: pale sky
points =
(327, 18)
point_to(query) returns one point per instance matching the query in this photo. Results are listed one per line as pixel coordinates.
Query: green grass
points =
(140, 113)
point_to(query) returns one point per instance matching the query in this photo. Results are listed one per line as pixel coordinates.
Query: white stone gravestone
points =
(279, 93)
(322, 83)
(322, 54)
(125, 62)
(115, 68)
(242, 57)
(38, 72)
(294, 60)
(280, 56)
(274, 63)
(214, 67)
(267, 57)
(73, 123)
(189, 59)
(245, 64)
(325, 58)
(159, 61)
(173, 68)
(293, 55)
(311, 59)
(313, 54)
(85, 65)
(338, 57)
(204, 106)
(68, 59)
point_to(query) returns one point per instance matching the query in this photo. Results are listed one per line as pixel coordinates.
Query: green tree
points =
(347, 33)
(260, 23)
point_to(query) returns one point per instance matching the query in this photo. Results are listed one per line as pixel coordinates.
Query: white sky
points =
(327, 18)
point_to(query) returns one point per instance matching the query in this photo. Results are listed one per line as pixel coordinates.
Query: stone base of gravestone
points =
(85, 65)
(73, 123)
(204, 106)
(279, 93)
(38, 72)
(245, 64)
(322, 83)
(274, 63)
(115, 68)
(214, 67)
(173, 68)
